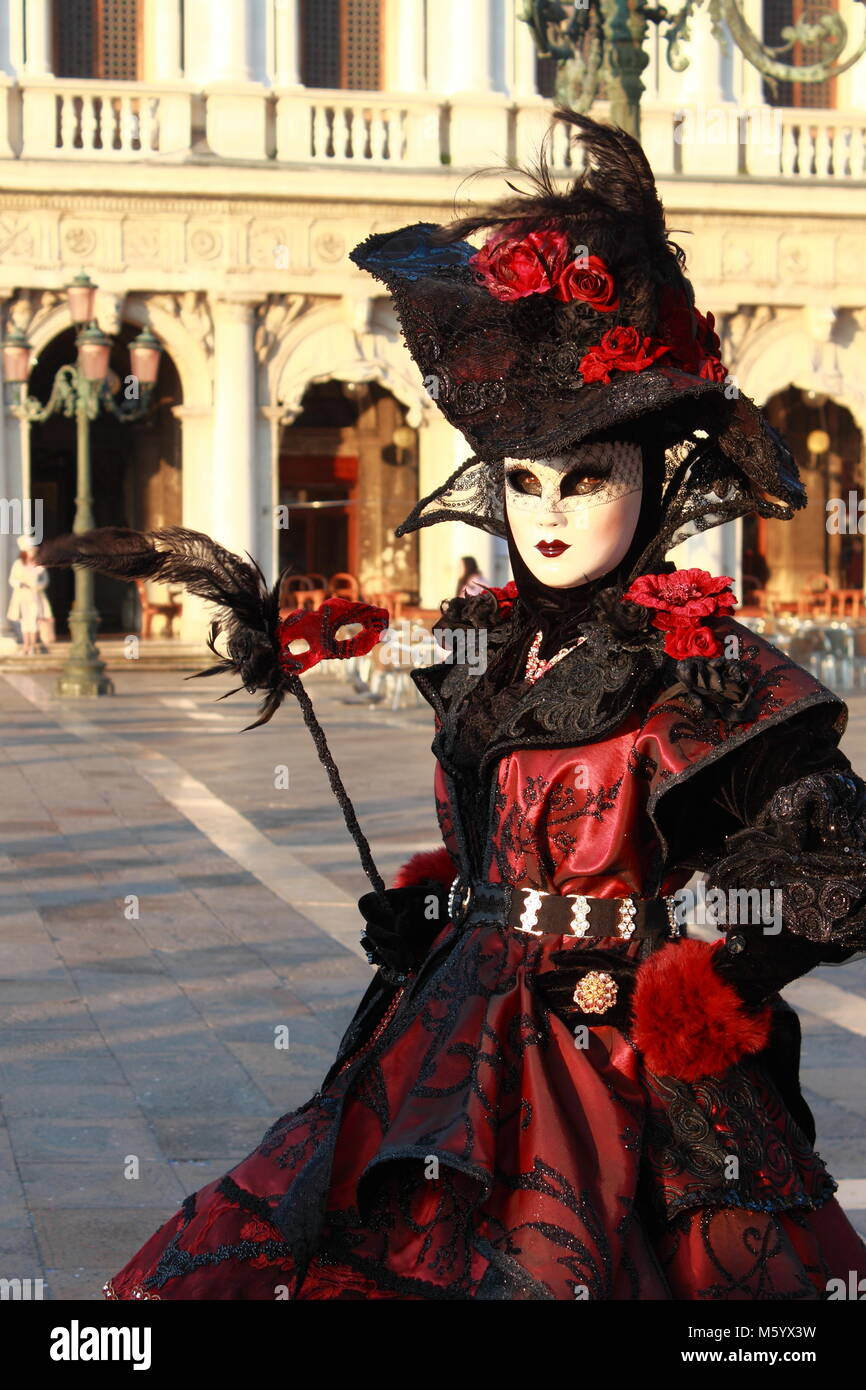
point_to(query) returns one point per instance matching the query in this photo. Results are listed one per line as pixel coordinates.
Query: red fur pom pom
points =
(428, 863)
(686, 1020)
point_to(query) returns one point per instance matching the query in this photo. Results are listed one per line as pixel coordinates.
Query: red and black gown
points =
(463, 1147)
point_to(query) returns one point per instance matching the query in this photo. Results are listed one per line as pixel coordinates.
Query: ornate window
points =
(778, 15)
(341, 44)
(98, 38)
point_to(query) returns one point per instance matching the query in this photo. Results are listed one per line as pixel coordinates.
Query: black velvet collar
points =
(579, 700)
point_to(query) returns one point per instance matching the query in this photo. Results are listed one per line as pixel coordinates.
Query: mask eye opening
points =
(523, 481)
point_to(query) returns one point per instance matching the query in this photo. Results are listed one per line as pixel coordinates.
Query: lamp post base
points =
(86, 682)
(83, 674)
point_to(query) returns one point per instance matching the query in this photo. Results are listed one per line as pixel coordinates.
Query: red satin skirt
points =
(475, 1148)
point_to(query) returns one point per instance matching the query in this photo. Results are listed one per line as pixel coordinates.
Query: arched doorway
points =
(136, 472)
(783, 557)
(348, 474)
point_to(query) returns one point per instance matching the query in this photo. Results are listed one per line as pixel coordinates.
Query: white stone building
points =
(210, 164)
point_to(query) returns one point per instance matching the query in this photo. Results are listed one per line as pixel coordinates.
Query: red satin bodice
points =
(572, 820)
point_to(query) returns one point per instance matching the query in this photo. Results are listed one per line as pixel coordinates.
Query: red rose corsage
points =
(683, 600)
(505, 597)
(318, 627)
(512, 265)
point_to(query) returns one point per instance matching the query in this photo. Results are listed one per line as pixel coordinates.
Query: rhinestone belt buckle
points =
(459, 900)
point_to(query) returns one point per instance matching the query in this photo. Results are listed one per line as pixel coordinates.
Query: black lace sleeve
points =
(801, 810)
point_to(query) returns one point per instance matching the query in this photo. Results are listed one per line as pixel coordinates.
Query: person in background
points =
(28, 606)
(471, 581)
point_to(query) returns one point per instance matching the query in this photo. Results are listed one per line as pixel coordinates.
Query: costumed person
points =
(28, 605)
(471, 580)
(549, 1091)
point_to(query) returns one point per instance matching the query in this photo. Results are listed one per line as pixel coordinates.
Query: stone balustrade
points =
(823, 145)
(336, 127)
(69, 119)
(47, 118)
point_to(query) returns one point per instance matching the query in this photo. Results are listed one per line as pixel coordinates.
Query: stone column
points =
(293, 109)
(9, 65)
(15, 489)
(7, 492)
(37, 31)
(162, 40)
(441, 448)
(235, 471)
(197, 503)
(287, 46)
(405, 47)
(460, 58)
(196, 41)
(271, 419)
(231, 42)
(709, 135)
(459, 45)
(748, 84)
(523, 58)
(236, 104)
(532, 114)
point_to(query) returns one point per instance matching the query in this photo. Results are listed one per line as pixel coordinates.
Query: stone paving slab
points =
(100, 1183)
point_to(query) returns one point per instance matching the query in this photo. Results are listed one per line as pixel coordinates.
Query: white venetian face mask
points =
(573, 517)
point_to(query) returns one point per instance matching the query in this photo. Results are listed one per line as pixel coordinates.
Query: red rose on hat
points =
(707, 335)
(622, 350)
(589, 280)
(711, 369)
(511, 267)
(692, 337)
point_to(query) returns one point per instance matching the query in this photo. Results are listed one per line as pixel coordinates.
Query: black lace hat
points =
(575, 319)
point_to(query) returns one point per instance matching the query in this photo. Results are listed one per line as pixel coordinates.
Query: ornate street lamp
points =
(604, 39)
(81, 298)
(81, 390)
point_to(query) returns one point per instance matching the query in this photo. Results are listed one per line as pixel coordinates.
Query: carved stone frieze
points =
(270, 245)
(79, 240)
(143, 241)
(16, 237)
(266, 242)
(205, 241)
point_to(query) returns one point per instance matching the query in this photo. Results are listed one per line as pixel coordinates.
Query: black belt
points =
(531, 910)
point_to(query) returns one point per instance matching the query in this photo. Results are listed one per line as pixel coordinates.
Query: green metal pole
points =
(83, 672)
(625, 59)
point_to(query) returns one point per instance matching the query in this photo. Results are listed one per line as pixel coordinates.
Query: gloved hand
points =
(604, 981)
(398, 940)
(758, 964)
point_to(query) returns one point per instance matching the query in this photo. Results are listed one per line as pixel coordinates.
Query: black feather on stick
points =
(246, 624)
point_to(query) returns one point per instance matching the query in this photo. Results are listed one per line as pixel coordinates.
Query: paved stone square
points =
(167, 902)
